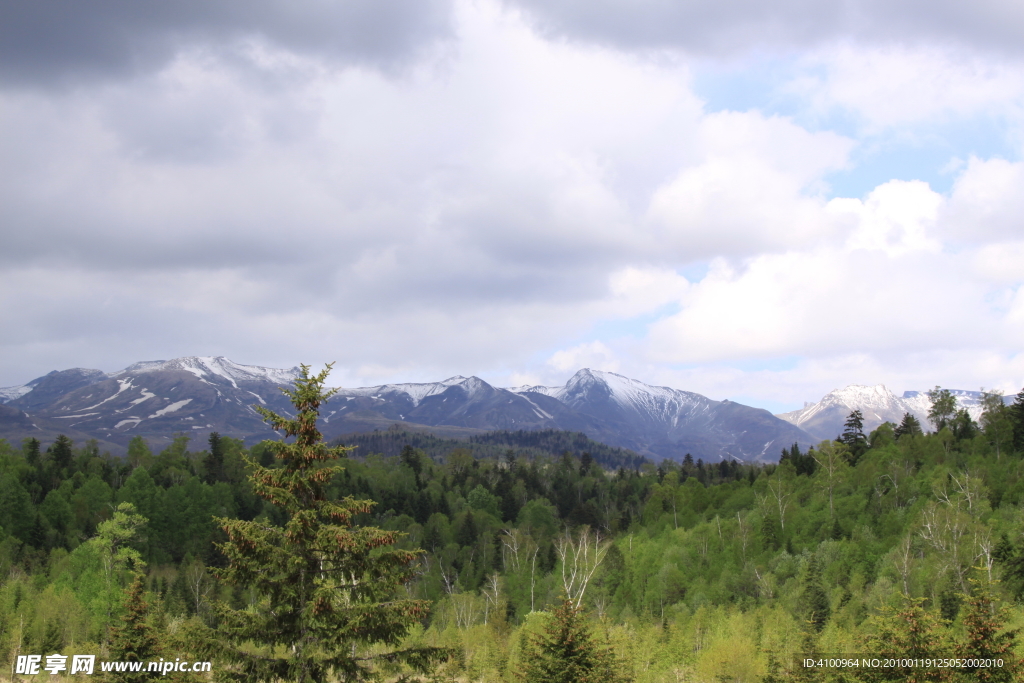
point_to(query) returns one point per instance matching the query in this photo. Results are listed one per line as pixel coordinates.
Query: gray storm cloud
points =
(55, 40)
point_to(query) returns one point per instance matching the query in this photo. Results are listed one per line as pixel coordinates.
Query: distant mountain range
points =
(826, 418)
(198, 395)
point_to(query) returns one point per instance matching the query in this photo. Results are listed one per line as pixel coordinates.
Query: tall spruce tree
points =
(813, 599)
(133, 640)
(214, 462)
(910, 425)
(566, 653)
(853, 436)
(330, 606)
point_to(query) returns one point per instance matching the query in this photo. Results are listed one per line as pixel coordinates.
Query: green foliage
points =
(996, 421)
(532, 444)
(943, 407)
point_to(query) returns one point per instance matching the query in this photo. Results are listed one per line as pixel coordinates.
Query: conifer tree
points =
(986, 639)
(910, 425)
(912, 632)
(853, 436)
(214, 462)
(133, 640)
(814, 601)
(566, 653)
(329, 589)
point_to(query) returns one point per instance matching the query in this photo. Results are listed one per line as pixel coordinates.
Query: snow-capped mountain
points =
(659, 422)
(825, 419)
(156, 399)
(197, 395)
(219, 366)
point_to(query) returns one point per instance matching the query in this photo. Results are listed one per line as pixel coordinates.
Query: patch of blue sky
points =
(925, 151)
(694, 272)
(753, 365)
(772, 406)
(756, 84)
(933, 154)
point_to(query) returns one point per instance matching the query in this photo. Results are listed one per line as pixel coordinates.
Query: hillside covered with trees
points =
(897, 539)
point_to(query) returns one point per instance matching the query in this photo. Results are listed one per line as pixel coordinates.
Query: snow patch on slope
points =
(146, 395)
(177, 405)
(123, 385)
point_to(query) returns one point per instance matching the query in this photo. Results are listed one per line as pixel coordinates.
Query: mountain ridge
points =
(201, 394)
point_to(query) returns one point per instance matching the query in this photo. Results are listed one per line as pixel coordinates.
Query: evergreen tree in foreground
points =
(134, 640)
(329, 589)
(987, 639)
(566, 653)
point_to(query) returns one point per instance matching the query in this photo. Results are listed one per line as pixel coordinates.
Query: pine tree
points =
(911, 632)
(329, 589)
(567, 653)
(853, 436)
(214, 462)
(61, 453)
(986, 639)
(814, 600)
(133, 640)
(31, 446)
(963, 427)
(53, 638)
(910, 425)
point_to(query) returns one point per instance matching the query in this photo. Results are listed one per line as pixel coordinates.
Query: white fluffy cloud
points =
(897, 85)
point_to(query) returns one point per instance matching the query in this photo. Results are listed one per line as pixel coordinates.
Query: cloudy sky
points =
(755, 201)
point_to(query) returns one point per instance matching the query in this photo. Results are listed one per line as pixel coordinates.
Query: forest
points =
(903, 542)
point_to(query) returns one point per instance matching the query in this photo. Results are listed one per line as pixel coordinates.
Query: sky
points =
(754, 201)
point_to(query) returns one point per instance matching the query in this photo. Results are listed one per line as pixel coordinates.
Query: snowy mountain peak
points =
(419, 391)
(204, 366)
(877, 404)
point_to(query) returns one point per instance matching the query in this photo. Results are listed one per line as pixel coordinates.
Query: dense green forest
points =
(525, 444)
(895, 542)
